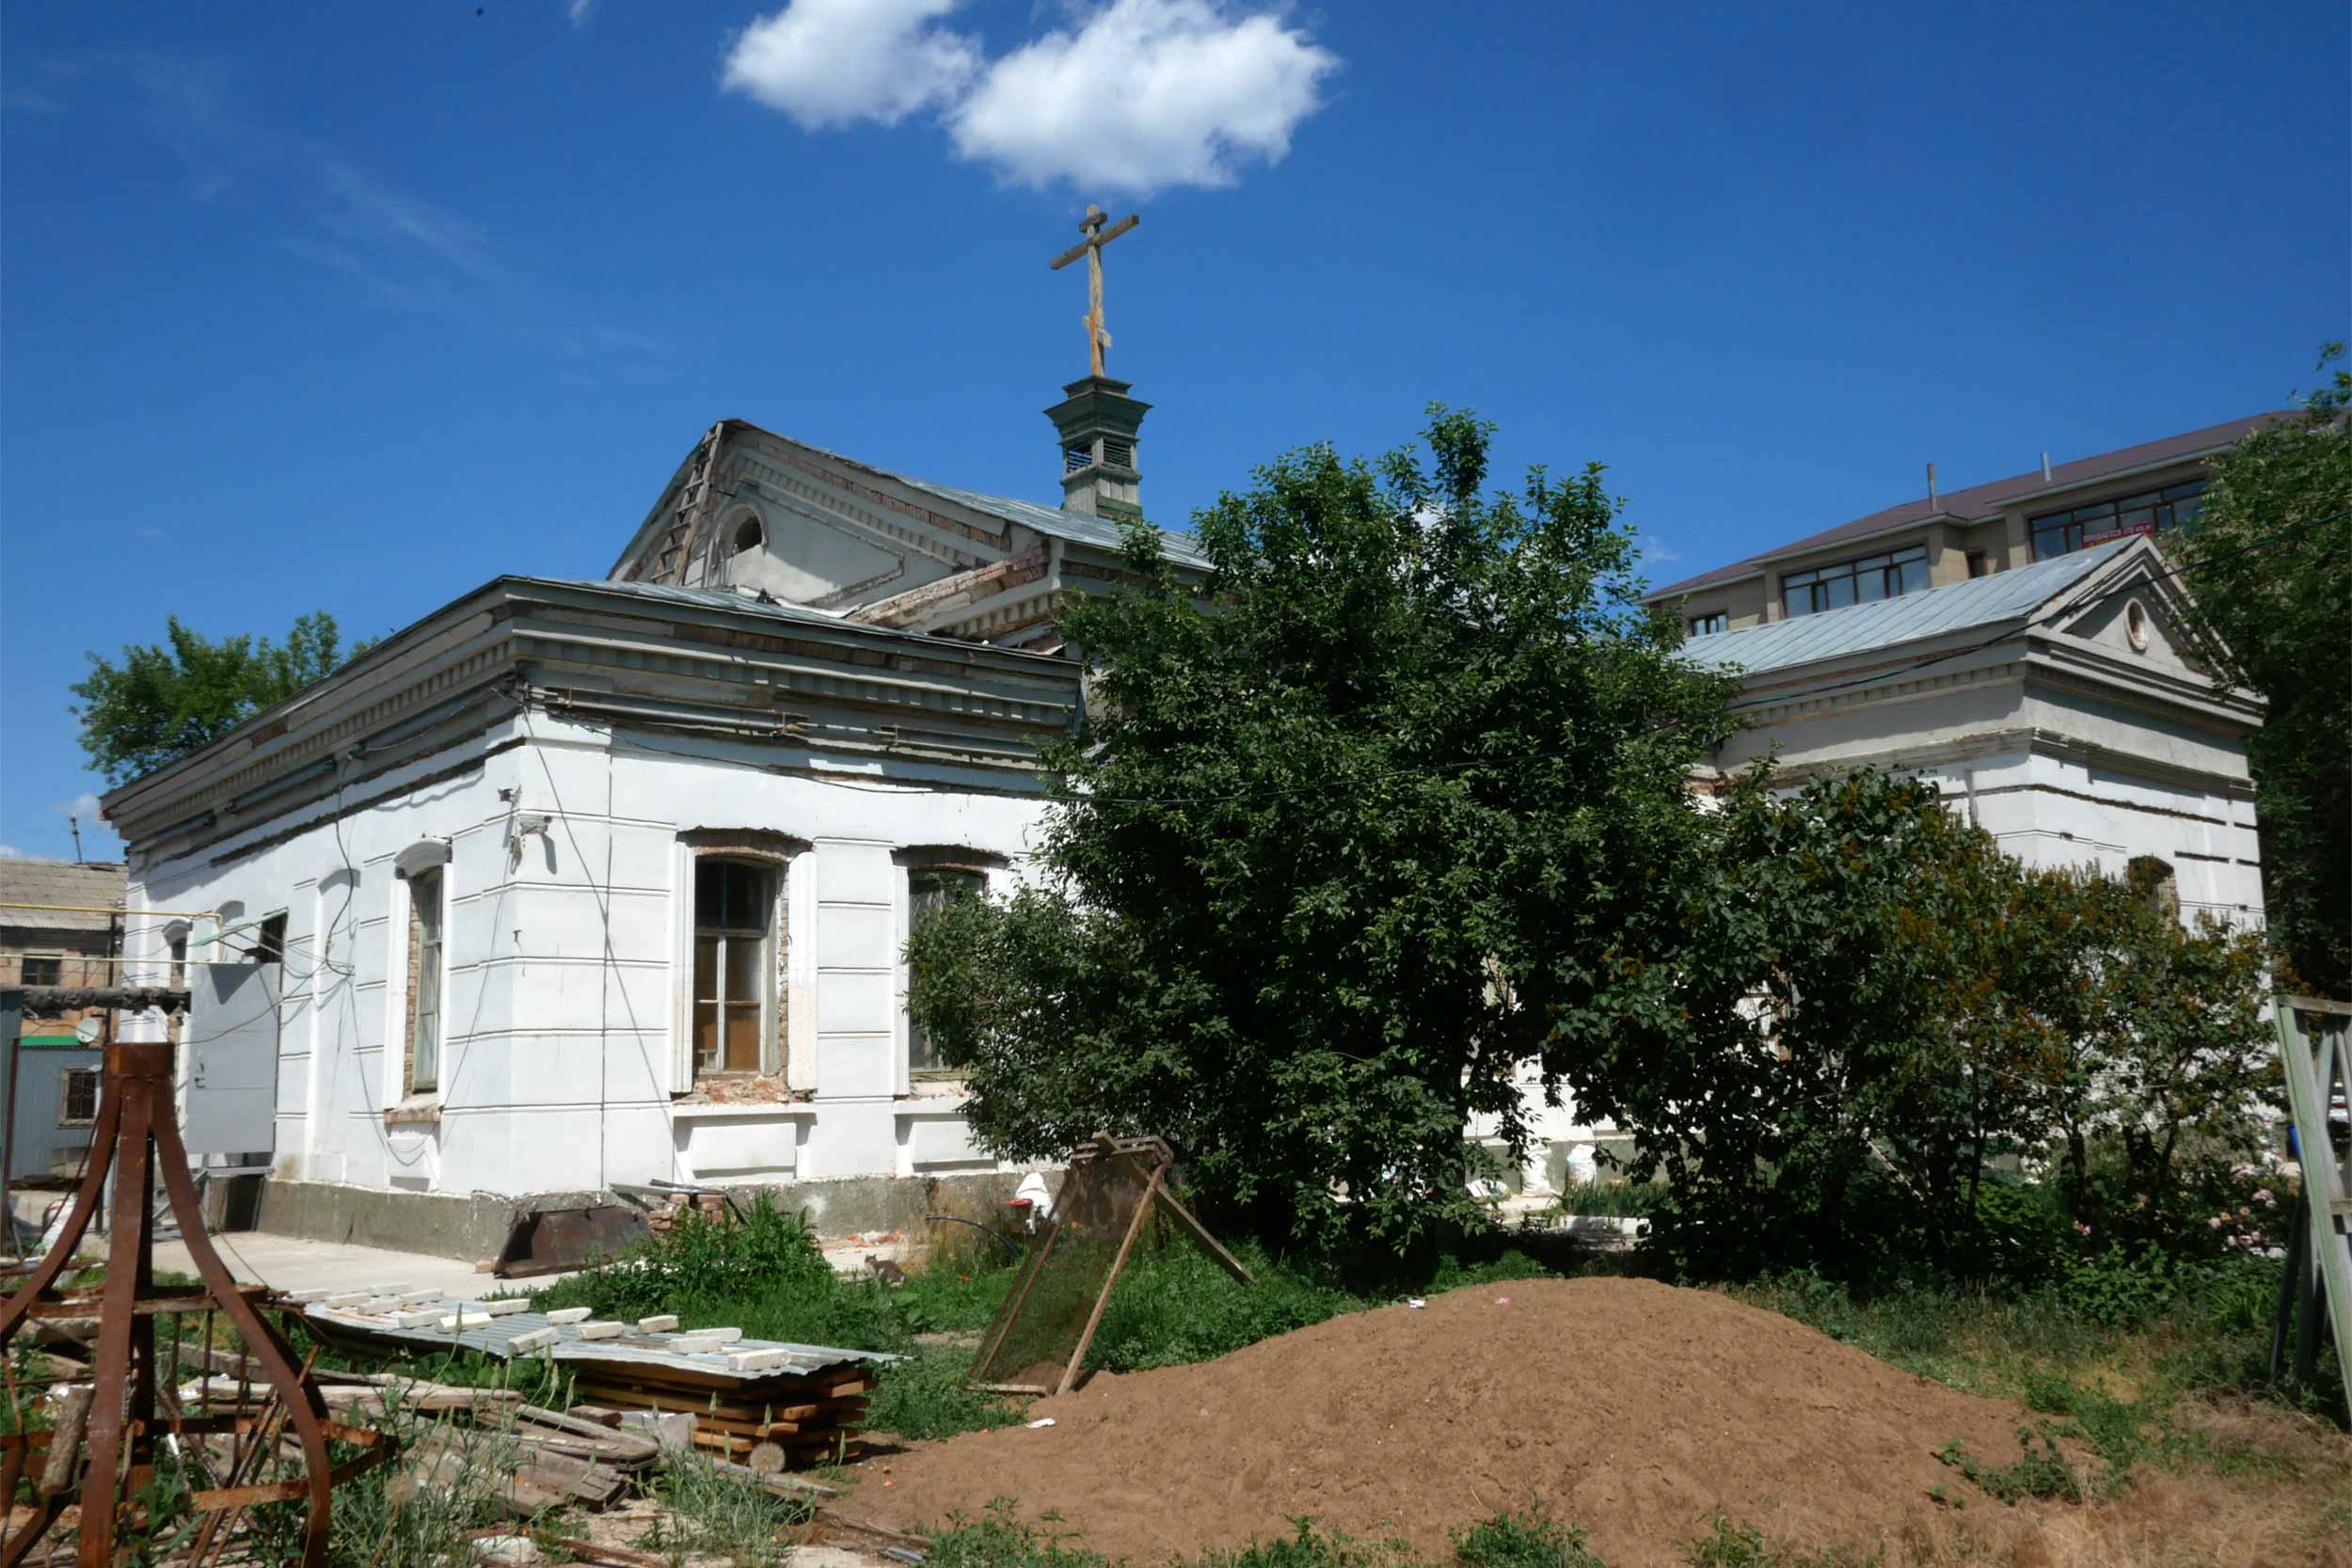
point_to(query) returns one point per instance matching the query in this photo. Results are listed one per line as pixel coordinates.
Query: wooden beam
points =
(1200, 1234)
(1110, 1280)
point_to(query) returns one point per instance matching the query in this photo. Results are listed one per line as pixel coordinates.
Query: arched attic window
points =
(749, 535)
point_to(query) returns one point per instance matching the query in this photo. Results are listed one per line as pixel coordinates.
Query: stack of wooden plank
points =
(771, 1422)
(544, 1457)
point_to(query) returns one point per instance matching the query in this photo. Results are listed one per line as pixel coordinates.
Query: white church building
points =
(578, 883)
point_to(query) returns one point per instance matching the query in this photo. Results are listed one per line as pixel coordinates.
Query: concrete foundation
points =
(475, 1226)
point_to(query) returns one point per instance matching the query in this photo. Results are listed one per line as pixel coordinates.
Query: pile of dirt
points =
(1634, 1409)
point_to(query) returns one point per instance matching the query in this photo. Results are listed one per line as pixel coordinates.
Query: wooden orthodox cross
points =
(1098, 331)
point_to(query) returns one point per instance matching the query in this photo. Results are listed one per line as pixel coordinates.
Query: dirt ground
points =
(1634, 1409)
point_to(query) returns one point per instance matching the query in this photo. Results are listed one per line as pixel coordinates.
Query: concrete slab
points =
(293, 1263)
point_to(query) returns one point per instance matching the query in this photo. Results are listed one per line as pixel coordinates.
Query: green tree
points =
(166, 699)
(1811, 1081)
(1346, 835)
(1875, 1003)
(2270, 565)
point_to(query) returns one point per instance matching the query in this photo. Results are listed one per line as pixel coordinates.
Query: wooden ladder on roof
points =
(2315, 1054)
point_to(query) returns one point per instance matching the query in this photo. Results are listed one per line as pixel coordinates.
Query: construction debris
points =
(767, 1403)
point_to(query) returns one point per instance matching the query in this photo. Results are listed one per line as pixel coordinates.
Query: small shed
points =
(53, 1106)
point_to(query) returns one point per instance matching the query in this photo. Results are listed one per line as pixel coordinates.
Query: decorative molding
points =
(784, 484)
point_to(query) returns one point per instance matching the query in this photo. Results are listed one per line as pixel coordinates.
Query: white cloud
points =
(1145, 93)
(11, 852)
(829, 63)
(1132, 95)
(579, 11)
(1656, 549)
(83, 805)
(376, 209)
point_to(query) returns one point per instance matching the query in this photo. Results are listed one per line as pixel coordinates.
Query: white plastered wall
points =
(561, 1007)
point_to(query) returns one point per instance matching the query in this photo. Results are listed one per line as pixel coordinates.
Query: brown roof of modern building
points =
(1980, 501)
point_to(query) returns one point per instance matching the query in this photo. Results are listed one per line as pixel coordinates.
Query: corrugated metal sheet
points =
(497, 1337)
(37, 881)
(1860, 628)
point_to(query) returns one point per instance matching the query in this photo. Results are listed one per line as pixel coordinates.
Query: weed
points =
(929, 1395)
(1727, 1544)
(2041, 1472)
(1000, 1539)
(713, 1514)
(1523, 1541)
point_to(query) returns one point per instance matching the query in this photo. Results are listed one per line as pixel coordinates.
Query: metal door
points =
(230, 1045)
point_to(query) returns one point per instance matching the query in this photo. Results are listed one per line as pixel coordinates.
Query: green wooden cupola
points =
(1097, 423)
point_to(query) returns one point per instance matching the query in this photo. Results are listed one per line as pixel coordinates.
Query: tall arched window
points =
(749, 535)
(734, 962)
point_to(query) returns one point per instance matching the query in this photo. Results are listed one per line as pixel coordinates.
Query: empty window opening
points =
(420, 1070)
(749, 535)
(733, 989)
(1979, 563)
(78, 1103)
(269, 941)
(2154, 880)
(930, 889)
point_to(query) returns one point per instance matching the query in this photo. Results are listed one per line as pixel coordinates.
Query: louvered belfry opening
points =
(1097, 423)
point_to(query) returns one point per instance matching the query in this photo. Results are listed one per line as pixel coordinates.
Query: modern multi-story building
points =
(1946, 537)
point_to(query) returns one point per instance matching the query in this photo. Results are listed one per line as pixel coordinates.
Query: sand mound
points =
(1631, 1408)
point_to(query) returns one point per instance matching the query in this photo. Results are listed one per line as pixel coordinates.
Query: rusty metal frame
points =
(137, 1141)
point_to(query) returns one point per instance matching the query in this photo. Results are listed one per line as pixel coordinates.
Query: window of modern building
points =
(1887, 575)
(734, 982)
(2151, 512)
(78, 1103)
(1707, 626)
(420, 1070)
(929, 889)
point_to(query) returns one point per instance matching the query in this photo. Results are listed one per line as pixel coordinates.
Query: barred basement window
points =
(78, 1106)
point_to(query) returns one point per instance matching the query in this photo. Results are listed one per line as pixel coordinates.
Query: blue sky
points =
(355, 307)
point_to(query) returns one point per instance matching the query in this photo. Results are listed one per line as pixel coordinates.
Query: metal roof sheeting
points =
(1060, 523)
(710, 598)
(1860, 628)
(497, 1337)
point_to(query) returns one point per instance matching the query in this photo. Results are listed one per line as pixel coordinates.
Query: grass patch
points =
(1000, 1539)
